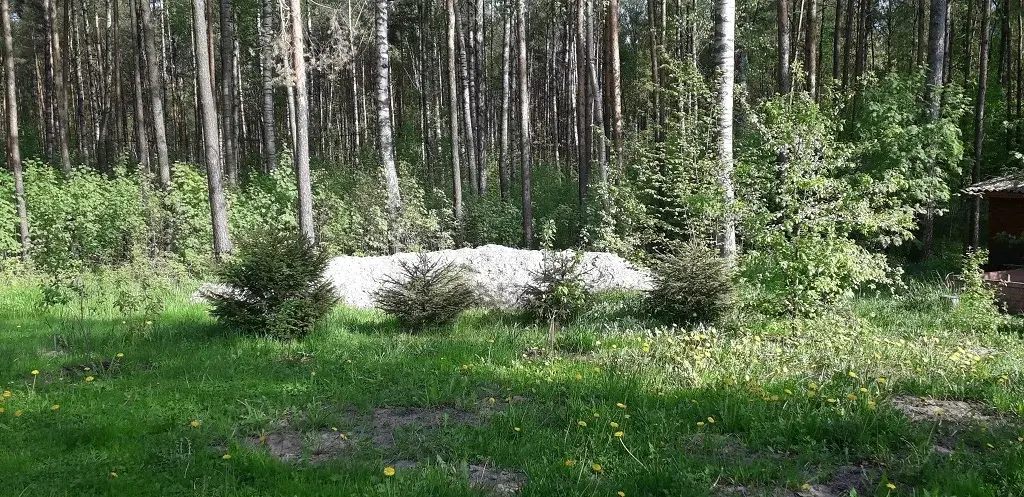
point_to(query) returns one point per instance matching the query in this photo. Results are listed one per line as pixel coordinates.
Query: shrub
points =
(274, 286)
(426, 293)
(976, 309)
(692, 285)
(557, 293)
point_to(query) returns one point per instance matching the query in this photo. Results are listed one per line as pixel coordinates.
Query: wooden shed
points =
(1005, 240)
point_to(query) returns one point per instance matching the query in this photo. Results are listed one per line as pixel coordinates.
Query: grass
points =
(768, 406)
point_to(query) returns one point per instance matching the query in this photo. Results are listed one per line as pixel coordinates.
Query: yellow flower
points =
(805, 486)
(700, 424)
(389, 471)
(863, 390)
(195, 423)
(711, 420)
(120, 355)
(891, 486)
(881, 381)
(579, 377)
(852, 374)
(55, 407)
(596, 415)
(613, 424)
(620, 405)
(570, 463)
(7, 393)
(491, 400)
(342, 436)
(871, 404)
(789, 392)
(113, 474)
(582, 423)
(832, 400)
(596, 467)
(17, 413)
(87, 368)
(35, 372)
(516, 429)
(851, 396)
(1, 410)
(620, 493)
(89, 378)
(226, 457)
(619, 434)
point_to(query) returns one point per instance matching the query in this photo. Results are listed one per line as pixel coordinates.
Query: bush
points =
(274, 287)
(692, 285)
(427, 293)
(976, 309)
(557, 292)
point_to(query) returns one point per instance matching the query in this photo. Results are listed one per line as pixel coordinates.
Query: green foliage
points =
(427, 293)
(577, 341)
(692, 285)
(274, 286)
(489, 220)
(804, 206)
(976, 308)
(557, 293)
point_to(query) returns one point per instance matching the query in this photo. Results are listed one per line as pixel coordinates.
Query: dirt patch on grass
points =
(496, 481)
(388, 420)
(845, 479)
(935, 410)
(287, 444)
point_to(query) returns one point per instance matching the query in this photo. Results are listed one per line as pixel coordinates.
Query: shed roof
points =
(1013, 184)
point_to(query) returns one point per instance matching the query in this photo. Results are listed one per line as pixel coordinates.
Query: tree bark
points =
(385, 139)
(453, 107)
(504, 162)
(141, 135)
(227, 91)
(725, 64)
(468, 113)
(211, 143)
(836, 60)
(979, 123)
(933, 97)
(524, 126)
(267, 80)
(60, 108)
(597, 105)
(305, 193)
(616, 82)
(783, 71)
(481, 99)
(156, 90)
(851, 12)
(13, 143)
(811, 48)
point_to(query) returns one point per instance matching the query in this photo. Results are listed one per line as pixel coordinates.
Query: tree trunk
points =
(302, 124)
(616, 82)
(783, 71)
(58, 86)
(386, 142)
(227, 91)
(453, 107)
(481, 99)
(725, 64)
(811, 48)
(524, 126)
(468, 114)
(848, 41)
(933, 97)
(969, 43)
(211, 143)
(13, 144)
(597, 105)
(156, 90)
(836, 60)
(583, 117)
(267, 80)
(141, 135)
(504, 162)
(979, 123)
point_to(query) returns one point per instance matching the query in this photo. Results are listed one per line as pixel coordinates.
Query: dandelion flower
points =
(597, 468)
(113, 474)
(55, 407)
(832, 400)
(851, 396)
(120, 355)
(881, 381)
(7, 394)
(613, 424)
(871, 404)
(195, 423)
(620, 405)
(490, 400)
(620, 493)
(389, 471)
(891, 486)
(700, 424)
(1, 410)
(852, 374)
(789, 392)
(582, 423)
(596, 415)
(17, 413)
(619, 434)
(89, 378)
(863, 390)
(570, 463)
(342, 436)
(711, 420)
(516, 429)
(35, 372)
(805, 486)
(226, 457)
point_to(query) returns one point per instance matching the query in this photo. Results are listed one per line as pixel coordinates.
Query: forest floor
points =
(889, 399)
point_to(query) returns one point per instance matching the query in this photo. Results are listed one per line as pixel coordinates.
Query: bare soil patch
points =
(496, 481)
(288, 444)
(845, 479)
(388, 420)
(935, 410)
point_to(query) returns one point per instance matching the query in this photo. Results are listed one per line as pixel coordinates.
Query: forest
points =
(512, 247)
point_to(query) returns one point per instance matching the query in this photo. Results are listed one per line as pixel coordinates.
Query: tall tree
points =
(156, 90)
(979, 122)
(267, 84)
(811, 48)
(933, 96)
(783, 74)
(616, 80)
(453, 97)
(597, 104)
(58, 86)
(524, 126)
(13, 143)
(836, 33)
(504, 161)
(302, 124)
(384, 134)
(725, 66)
(211, 142)
(227, 91)
(141, 135)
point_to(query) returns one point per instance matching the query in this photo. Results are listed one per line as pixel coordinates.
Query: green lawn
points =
(766, 408)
